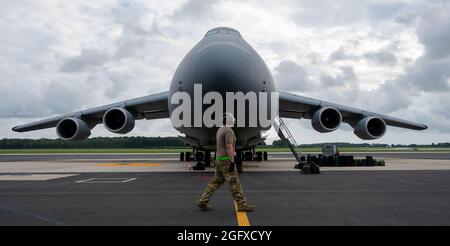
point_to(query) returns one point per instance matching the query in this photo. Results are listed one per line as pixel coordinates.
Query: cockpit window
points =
(223, 30)
(211, 32)
(236, 33)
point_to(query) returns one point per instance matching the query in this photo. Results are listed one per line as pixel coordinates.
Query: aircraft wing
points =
(147, 107)
(295, 106)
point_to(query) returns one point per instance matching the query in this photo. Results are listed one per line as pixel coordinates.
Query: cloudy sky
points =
(391, 57)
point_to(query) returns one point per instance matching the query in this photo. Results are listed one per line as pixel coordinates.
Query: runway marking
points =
(241, 217)
(106, 180)
(129, 165)
(33, 177)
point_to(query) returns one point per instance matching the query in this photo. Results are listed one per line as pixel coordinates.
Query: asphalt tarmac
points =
(89, 192)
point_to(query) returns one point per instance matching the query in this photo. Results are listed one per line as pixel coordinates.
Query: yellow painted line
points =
(128, 165)
(241, 217)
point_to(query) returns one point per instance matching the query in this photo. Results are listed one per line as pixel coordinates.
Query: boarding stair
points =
(289, 140)
(286, 137)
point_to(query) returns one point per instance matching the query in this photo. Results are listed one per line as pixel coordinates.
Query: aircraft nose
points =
(226, 66)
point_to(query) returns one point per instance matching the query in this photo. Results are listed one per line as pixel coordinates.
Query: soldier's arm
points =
(230, 151)
(229, 143)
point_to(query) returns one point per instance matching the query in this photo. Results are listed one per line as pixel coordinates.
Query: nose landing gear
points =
(203, 158)
(251, 155)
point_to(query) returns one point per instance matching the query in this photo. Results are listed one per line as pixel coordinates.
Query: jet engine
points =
(73, 129)
(370, 128)
(326, 119)
(118, 120)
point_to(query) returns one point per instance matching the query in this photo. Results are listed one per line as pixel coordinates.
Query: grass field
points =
(177, 150)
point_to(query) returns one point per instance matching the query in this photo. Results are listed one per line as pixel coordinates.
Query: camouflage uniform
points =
(223, 174)
(224, 136)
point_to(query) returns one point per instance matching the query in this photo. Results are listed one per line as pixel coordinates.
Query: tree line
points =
(280, 143)
(92, 143)
(154, 143)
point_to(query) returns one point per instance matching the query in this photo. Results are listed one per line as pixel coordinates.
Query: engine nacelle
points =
(370, 128)
(73, 129)
(118, 120)
(326, 119)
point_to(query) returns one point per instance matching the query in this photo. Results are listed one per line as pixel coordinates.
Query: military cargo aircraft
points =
(221, 62)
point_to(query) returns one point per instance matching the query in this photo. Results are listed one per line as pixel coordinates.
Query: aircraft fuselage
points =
(222, 62)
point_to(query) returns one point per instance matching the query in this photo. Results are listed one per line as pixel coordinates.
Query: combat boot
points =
(204, 206)
(246, 208)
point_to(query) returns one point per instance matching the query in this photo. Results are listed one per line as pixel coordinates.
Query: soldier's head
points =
(228, 119)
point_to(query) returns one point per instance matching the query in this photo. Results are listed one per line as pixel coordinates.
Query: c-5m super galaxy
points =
(221, 62)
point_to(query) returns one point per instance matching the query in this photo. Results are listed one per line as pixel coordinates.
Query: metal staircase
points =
(286, 137)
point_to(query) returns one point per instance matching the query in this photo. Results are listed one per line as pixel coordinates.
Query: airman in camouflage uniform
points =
(225, 170)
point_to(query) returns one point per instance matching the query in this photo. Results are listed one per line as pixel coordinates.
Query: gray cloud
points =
(383, 57)
(332, 13)
(428, 75)
(386, 98)
(433, 30)
(291, 76)
(430, 72)
(86, 59)
(340, 54)
(139, 28)
(385, 10)
(329, 13)
(347, 75)
(196, 9)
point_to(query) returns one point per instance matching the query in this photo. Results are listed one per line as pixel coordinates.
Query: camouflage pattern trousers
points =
(222, 174)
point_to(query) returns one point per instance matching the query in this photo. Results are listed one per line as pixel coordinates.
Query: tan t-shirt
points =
(224, 136)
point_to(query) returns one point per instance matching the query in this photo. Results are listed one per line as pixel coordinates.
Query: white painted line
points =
(33, 177)
(128, 180)
(106, 180)
(84, 180)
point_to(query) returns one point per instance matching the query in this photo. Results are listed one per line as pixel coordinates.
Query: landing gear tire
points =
(199, 156)
(248, 156)
(207, 158)
(265, 155)
(182, 156)
(238, 162)
(188, 156)
(239, 168)
(259, 156)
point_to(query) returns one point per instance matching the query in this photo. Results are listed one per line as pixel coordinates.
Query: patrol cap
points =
(228, 119)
